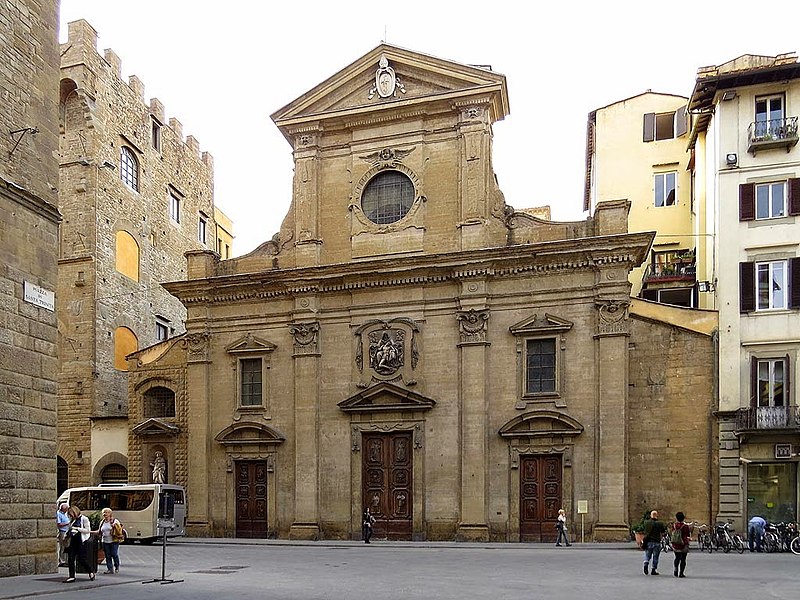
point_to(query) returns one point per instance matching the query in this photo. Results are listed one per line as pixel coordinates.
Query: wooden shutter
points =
(747, 201)
(747, 286)
(794, 196)
(794, 283)
(753, 381)
(787, 390)
(681, 121)
(649, 131)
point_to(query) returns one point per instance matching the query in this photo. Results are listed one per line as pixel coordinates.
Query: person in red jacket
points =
(681, 549)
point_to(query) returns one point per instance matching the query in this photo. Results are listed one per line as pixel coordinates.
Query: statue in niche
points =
(159, 468)
(386, 351)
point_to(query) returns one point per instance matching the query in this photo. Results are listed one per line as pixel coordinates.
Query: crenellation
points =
(113, 60)
(137, 86)
(177, 127)
(208, 160)
(80, 32)
(157, 110)
(192, 143)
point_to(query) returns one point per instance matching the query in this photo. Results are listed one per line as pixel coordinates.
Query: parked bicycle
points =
(704, 538)
(794, 545)
(725, 539)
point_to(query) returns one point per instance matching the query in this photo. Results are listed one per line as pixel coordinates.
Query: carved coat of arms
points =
(386, 350)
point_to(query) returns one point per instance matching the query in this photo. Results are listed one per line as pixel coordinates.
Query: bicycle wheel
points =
(738, 543)
(794, 545)
(726, 545)
(770, 542)
(707, 545)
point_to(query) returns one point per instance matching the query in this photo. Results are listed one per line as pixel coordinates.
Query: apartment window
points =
(665, 126)
(174, 208)
(202, 224)
(769, 200)
(664, 188)
(770, 381)
(540, 366)
(129, 168)
(769, 116)
(162, 329)
(155, 134)
(769, 285)
(250, 381)
(387, 197)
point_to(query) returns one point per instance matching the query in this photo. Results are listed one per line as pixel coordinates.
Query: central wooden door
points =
(540, 497)
(251, 499)
(386, 483)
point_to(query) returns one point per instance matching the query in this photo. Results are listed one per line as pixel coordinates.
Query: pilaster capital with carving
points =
(306, 338)
(197, 346)
(612, 317)
(472, 326)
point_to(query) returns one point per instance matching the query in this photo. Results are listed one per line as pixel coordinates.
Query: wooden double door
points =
(540, 497)
(251, 499)
(387, 483)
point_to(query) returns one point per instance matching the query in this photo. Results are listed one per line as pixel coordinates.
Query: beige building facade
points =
(410, 342)
(135, 195)
(637, 150)
(29, 219)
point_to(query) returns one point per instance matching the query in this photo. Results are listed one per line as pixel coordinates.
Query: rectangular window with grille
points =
(250, 381)
(540, 366)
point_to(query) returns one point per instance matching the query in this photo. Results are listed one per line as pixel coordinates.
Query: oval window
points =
(387, 197)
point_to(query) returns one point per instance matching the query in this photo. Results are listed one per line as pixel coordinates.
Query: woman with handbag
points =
(110, 531)
(561, 525)
(79, 533)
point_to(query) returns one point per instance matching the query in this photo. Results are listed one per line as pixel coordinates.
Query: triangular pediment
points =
(414, 78)
(540, 323)
(155, 427)
(386, 397)
(541, 423)
(250, 344)
(247, 433)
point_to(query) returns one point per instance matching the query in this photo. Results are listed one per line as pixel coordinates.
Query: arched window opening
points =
(129, 169)
(125, 342)
(159, 402)
(127, 255)
(114, 473)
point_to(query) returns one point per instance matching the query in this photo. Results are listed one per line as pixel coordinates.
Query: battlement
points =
(82, 42)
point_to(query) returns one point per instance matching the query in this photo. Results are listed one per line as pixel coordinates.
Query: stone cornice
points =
(626, 250)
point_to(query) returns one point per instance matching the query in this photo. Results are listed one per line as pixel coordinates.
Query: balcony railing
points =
(677, 270)
(768, 417)
(776, 133)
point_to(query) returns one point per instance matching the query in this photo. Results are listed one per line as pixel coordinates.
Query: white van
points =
(136, 506)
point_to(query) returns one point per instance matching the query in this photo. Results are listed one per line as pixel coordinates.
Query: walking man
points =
(367, 521)
(653, 530)
(63, 525)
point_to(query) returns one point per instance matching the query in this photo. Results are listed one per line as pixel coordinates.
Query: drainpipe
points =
(712, 439)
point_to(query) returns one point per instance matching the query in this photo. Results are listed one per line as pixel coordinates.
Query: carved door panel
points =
(251, 499)
(539, 497)
(387, 483)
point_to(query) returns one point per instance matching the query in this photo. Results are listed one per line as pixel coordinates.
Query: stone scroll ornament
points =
(472, 325)
(306, 337)
(613, 317)
(387, 83)
(197, 346)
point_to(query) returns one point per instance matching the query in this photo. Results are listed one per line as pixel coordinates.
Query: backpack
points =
(676, 537)
(116, 532)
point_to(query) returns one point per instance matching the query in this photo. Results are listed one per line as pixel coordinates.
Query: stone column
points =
(306, 356)
(611, 462)
(198, 362)
(473, 347)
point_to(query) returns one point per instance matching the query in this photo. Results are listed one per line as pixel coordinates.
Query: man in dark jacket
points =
(653, 530)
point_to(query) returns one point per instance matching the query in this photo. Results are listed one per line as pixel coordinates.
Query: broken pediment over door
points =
(155, 427)
(247, 433)
(385, 397)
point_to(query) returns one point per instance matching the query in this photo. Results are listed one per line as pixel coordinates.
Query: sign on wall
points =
(39, 296)
(783, 451)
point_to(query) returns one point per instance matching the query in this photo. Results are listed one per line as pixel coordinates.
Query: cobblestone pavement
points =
(228, 569)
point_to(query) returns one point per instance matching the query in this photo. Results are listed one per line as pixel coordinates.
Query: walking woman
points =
(110, 531)
(680, 539)
(80, 531)
(561, 525)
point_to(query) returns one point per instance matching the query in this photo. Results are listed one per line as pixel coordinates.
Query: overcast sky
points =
(221, 68)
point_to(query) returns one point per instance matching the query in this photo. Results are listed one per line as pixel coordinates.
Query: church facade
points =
(409, 342)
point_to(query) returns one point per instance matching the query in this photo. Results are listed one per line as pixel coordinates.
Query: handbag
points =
(116, 532)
